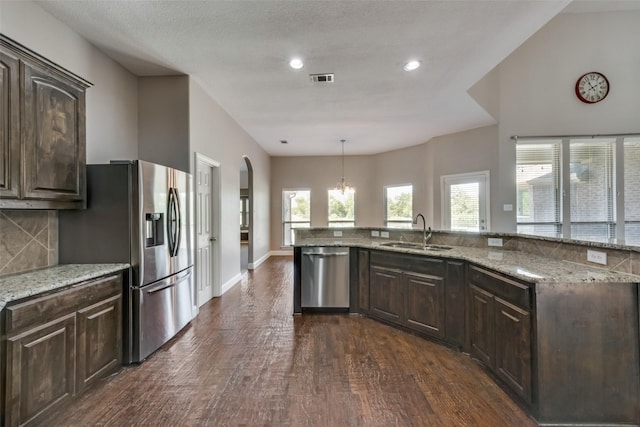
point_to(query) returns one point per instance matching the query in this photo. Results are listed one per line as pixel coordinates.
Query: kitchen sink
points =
(409, 245)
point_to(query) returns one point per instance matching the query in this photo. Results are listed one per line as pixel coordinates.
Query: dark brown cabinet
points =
(386, 296)
(363, 281)
(42, 132)
(58, 344)
(424, 303)
(9, 125)
(500, 328)
(408, 291)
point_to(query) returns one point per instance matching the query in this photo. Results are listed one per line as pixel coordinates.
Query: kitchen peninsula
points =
(560, 335)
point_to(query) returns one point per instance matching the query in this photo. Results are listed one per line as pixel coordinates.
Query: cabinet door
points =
(40, 370)
(455, 304)
(482, 327)
(99, 341)
(386, 301)
(513, 347)
(53, 137)
(424, 303)
(9, 130)
(363, 281)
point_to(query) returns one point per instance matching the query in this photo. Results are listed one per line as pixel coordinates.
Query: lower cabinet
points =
(424, 303)
(58, 344)
(40, 374)
(386, 296)
(500, 328)
(408, 291)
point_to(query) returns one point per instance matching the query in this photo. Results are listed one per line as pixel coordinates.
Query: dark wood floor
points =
(246, 361)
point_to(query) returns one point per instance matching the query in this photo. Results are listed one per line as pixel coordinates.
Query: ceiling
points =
(238, 51)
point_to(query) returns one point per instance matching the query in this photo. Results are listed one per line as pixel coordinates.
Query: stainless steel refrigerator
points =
(140, 213)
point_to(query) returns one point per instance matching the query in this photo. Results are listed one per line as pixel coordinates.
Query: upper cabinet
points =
(42, 132)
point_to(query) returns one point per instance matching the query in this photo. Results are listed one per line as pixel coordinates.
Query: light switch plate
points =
(597, 257)
(384, 234)
(494, 241)
(507, 207)
(337, 234)
(375, 233)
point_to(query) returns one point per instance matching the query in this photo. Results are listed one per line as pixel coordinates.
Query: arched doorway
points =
(246, 214)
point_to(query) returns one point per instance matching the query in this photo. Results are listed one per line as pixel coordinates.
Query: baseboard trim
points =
(230, 283)
(255, 264)
(282, 252)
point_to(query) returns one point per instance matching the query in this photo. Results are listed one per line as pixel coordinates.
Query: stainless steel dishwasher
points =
(325, 277)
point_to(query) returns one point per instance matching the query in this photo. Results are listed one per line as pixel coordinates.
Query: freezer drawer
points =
(164, 308)
(325, 277)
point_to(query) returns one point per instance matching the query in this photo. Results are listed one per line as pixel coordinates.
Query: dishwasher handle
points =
(322, 255)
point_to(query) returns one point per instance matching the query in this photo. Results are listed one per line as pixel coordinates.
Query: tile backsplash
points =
(28, 240)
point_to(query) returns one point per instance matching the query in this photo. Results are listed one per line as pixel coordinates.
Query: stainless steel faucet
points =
(425, 238)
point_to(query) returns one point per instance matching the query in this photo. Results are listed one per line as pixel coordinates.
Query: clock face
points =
(592, 87)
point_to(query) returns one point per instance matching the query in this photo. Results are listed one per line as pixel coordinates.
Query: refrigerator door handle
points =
(178, 229)
(173, 222)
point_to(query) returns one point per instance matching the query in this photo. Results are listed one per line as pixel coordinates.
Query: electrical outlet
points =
(384, 234)
(494, 241)
(375, 233)
(597, 257)
(337, 234)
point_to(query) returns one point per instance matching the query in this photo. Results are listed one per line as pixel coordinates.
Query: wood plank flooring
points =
(246, 361)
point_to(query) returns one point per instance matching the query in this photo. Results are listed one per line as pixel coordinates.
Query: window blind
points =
(538, 187)
(592, 170)
(632, 190)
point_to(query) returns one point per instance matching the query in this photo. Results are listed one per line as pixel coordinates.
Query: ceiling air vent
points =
(322, 78)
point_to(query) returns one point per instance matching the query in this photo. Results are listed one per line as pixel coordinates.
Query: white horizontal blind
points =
(465, 206)
(538, 187)
(592, 182)
(632, 190)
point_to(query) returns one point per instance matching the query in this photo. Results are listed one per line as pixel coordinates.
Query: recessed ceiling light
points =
(296, 63)
(411, 65)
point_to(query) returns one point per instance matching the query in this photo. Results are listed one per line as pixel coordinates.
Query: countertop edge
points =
(31, 283)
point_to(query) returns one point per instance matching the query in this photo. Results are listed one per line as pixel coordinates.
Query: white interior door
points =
(207, 208)
(465, 201)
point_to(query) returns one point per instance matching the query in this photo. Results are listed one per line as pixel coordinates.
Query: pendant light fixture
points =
(343, 186)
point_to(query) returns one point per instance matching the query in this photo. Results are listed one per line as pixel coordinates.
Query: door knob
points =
(213, 239)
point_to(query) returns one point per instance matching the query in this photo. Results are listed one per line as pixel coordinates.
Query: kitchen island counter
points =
(522, 265)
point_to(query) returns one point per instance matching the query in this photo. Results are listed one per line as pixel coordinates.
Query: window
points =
(632, 191)
(296, 213)
(592, 192)
(398, 206)
(585, 188)
(465, 201)
(342, 208)
(538, 188)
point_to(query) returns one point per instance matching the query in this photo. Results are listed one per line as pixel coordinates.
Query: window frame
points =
(292, 223)
(340, 223)
(387, 221)
(616, 195)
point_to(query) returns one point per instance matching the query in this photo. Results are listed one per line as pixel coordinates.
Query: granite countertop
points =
(528, 267)
(22, 285)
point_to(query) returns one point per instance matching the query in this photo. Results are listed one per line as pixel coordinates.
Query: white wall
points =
(218, 136)
(471, 151)
(163, 121)
(112, 102)
(536, 86)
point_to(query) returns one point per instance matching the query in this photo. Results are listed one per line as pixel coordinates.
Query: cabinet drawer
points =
(39, 310)
(510, 290)
(416, 263)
